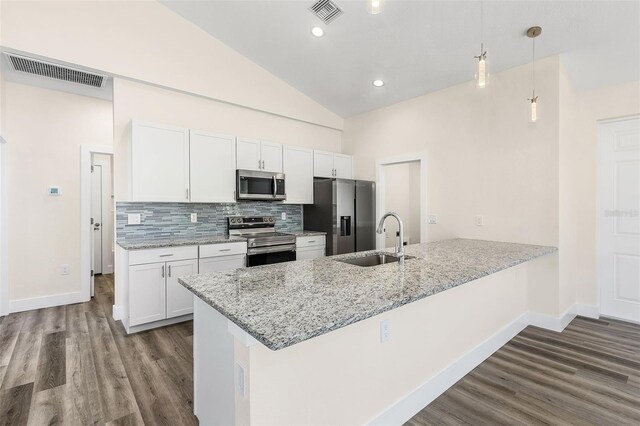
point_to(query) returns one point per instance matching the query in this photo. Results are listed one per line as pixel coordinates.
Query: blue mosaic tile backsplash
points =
(166, 220)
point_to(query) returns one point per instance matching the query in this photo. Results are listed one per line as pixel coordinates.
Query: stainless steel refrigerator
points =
(345, 209)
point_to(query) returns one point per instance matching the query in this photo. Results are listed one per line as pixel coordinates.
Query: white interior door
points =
(96, 214)
(619, 219)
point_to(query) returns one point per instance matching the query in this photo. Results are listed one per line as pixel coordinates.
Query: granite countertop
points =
(287, 303)
(151, 243)
(305, 233)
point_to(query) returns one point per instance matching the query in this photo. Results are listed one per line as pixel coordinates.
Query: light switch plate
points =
(433, 219)
(133, 219)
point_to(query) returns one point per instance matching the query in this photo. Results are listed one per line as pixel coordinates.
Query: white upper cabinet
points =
(298, 174)
(212, 164)
(159, 162)
(332, 165)
(261, 156)
(343, 166)
(248, 154)
(271, 154)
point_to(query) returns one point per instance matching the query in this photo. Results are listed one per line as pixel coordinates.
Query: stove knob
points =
(232, 220)
(271, 219)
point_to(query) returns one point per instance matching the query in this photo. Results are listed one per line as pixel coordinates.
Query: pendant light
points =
(532, 33)
(375, 6)
(482, 69)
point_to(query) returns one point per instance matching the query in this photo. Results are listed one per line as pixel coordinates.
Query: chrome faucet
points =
(400, 243)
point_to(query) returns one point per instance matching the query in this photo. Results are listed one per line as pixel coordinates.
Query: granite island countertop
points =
(287, 303)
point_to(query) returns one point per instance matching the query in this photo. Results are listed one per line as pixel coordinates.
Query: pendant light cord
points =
(533, 68)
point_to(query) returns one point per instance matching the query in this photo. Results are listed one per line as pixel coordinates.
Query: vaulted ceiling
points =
(418, 47)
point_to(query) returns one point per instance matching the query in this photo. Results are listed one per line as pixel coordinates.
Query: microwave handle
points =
(275, 186)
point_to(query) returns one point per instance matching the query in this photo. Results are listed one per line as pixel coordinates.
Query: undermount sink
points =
(372, 259)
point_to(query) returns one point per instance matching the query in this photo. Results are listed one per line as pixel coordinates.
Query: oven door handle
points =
(271, 249)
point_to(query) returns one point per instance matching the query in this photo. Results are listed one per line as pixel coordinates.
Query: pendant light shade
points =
(532, 33)
(482, 67)
(375, 6)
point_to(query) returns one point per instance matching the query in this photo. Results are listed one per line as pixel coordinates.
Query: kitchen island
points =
(323, 341)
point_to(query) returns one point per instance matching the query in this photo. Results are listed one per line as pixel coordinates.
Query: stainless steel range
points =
(264, 244)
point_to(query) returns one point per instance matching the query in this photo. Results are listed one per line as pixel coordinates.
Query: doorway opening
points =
(97, 215)
(618, 218)
(401, 187)
(102, 215)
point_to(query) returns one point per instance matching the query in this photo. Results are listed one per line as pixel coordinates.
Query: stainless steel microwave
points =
(253, 185)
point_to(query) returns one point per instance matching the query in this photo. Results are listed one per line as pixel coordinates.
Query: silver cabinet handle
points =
(169, 271)
(262, 164)
(225, 250)
(162, 271)
(312, 241)
(259, 164)
(166, 255)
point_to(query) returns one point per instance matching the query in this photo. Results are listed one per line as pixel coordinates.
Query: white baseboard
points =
(588, 311)
(406, 408)
(21, 305)
(144, 327)
(415, 401)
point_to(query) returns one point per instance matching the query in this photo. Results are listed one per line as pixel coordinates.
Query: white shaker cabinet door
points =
(323, 164)
(212, 168)
(159, 162)
(147, 298)
(248, 154)
(271, 154)
(298, 174)
(179, 299)
(343, 165)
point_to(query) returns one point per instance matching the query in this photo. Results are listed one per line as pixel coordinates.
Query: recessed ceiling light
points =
(378, 83)
(317, 31)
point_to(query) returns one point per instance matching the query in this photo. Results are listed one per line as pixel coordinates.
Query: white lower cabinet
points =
(311, 247)
(147, 297)
(179, 299)
(154, 293)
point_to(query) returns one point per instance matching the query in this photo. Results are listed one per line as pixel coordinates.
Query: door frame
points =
(86, 151)
(600, 204)
(380, 191)
(4, 275)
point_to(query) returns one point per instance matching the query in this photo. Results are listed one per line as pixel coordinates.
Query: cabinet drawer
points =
(165, 254)
(213, 250)
(312, 241)
(309, 253)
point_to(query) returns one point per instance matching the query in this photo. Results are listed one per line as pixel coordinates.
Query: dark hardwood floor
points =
(74, 365)
(587, 375)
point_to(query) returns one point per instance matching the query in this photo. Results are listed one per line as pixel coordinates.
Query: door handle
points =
(275, 186)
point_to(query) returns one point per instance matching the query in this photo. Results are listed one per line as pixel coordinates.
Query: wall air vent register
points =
(58, 72)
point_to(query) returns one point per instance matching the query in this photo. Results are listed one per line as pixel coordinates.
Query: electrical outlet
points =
(479, 220)
(240, 379)
(194, 217)
(385, 330)
(133, 219)
(284, 215)
(432, 219)
(64, 269)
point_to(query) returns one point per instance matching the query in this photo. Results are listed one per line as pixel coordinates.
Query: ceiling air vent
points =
(47, 69)
(326, 10)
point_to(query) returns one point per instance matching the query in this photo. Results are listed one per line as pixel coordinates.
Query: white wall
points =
(145, 102)
(145, 41)
(45, 130)
(579, 114)
(483, 156)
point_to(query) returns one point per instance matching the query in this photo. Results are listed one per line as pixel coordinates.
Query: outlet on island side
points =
(385, 330)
